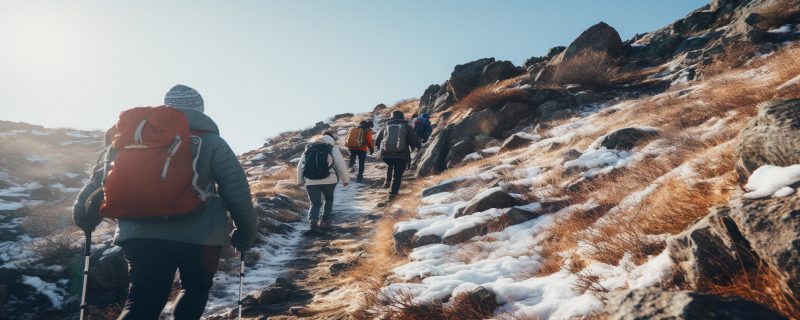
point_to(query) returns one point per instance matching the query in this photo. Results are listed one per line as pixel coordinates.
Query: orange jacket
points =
(369, 144)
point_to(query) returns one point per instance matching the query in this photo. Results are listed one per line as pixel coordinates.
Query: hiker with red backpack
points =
(422, 127)
(357, 141)
(169, 179)
(320, 169)
(396, 140)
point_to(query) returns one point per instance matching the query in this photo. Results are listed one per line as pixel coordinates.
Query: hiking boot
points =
(393, 195)
(352, 169)
(314, 226)
(360, 178)
(324, 224)
(387, 184)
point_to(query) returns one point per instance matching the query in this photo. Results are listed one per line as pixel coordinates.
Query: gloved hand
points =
(87, 223)
(239, 243)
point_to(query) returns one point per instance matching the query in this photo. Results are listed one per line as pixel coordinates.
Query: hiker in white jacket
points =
(318, 187)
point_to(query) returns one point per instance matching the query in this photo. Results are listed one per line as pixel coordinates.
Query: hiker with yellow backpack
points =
(357, 141)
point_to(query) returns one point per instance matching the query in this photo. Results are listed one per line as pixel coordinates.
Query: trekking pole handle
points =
(88, 247)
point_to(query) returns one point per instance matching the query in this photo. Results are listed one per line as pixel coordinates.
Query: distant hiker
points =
(320, 168)
(396, 140)
(170, 180)
(357, 141)
(422, 127)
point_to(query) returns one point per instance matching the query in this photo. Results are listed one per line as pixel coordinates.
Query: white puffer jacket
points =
(338, 170)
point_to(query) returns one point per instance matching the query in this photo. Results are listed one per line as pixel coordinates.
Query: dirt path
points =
(319, 259)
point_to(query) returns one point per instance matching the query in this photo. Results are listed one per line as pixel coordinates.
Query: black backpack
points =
(315, 165)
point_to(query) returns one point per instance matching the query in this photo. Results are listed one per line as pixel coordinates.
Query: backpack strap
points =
(207, 192)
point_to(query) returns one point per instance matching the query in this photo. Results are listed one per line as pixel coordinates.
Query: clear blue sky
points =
(264, 67)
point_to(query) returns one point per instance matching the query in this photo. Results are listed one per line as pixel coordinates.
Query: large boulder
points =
(460, 150)
(492, 198)
(772, 137)
(705, 253)
(598, 38)
(465, 77)
(432, 158)
(772, 227)
(108, 276)
(627, 138)
(498, 70)
(657, 303)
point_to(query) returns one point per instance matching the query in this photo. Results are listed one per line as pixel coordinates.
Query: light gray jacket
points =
(339, 167)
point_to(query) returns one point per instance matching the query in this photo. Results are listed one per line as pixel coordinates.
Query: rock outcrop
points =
(772, 137)
(657, 303)
(627, 138)
(465, 77)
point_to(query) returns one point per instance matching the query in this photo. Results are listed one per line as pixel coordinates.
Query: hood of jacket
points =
(327, 139)
(199, 121)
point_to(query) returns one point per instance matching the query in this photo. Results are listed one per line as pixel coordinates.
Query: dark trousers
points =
(151, 269)
(362, 156)
(394, 172)
(315, 193)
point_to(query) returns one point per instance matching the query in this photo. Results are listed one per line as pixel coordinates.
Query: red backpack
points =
(152, 177)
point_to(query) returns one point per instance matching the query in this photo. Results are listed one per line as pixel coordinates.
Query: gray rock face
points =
(627, 138)
(403, 240)
(555, 109)
(656, 303)
(695, 22)
(554, 51)
(497, 199)
(705, 252)
(515, 110)
(772, 226)
(515, 142)
(434, 155)
(276, 292)
(498, 70)
(448, 187)
(428, 98)
(465, 77)
(662, 43)
(772, 137)
(460, 150)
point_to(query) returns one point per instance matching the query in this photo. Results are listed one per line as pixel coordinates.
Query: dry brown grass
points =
(56, 249)
(493, 96)
(763, 286)
(778, 13)
(588, 69)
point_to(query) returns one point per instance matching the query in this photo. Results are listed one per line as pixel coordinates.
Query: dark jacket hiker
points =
(422, 126)
(396, 140)
(155, 251)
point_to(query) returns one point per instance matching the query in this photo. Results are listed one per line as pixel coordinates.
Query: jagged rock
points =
(448, 187)
(426, 240)
(428, 98)
(695, 22)
(518, 215)
(465, 76)
(554, 110)
(772, 226)
(434, 155)
(626, 138)
(707, 251)
(276, 292)
(571, 154)
(515, 110)
(279, 201)
(554, 51)
(292, 153)
(658, 303)
(540, 96)
(515, 142)
(497, 70)
(403, 240)
(661, 44)
(772, 137)
(495, 199)
(444, 99)
(109, 269)
(487, 122)
(598, 38)
(460, 150)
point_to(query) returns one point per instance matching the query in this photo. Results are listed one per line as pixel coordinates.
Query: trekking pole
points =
(241, 284)
(88, 253)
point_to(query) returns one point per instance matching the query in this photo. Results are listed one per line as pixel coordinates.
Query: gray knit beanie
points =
(183, 97)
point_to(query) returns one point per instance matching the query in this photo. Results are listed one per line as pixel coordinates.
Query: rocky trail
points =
(309, 286)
